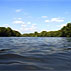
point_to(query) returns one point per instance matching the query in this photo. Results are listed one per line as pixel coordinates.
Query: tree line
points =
(8, 32)
(65, 31)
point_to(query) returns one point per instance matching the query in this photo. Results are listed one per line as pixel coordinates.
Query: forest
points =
(65, 31)
(8, 32)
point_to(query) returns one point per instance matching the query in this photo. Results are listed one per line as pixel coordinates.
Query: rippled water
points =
(35, 53)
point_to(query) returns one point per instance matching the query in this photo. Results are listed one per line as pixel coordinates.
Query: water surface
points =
(35, 53)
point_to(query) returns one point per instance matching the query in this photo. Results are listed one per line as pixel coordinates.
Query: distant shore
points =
(65, 31)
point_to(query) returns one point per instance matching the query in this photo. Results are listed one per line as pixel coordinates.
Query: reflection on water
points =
(35, 53)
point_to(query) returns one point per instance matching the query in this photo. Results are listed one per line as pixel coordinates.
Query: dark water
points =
(32, 53)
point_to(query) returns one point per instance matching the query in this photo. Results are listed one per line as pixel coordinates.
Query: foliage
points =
(7, 32)
(63, 32)
(66, 30)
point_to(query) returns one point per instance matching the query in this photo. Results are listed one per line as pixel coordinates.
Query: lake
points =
(35, 53)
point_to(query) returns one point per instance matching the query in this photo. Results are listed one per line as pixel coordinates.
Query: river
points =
(35, 53)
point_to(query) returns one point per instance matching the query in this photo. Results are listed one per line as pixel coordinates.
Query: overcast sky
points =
(28, 16)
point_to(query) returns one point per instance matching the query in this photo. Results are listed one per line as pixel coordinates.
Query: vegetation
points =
(8, 32)
(63, 32)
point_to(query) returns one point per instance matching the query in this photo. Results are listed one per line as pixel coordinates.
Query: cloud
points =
(43, 16)
(16, 29)
(18, 18)
(18, 22)
(23, 25)
(62, 25)
(32, 28)
(33, 24)
(28, 22)
(28, 27)
(5, 25)
(18, 10)
(54, 20)
(47, 21)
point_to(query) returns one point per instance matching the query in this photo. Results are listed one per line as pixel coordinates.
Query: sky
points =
(28, 16)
